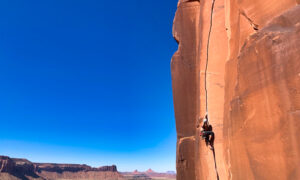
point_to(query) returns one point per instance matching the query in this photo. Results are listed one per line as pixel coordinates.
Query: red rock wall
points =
(251, 51)
(185, 79)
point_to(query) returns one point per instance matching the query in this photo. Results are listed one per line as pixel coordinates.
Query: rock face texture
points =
(22, 169)
(239, 61)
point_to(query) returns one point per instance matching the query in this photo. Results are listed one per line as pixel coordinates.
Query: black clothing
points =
(208, 135)
(207, 128)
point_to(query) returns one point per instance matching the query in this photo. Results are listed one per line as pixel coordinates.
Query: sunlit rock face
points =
(249, 54)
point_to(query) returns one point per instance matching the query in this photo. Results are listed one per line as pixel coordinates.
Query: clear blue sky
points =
(88, 82)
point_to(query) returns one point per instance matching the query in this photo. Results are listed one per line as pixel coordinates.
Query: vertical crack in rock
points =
(215, 164)
(206, 68)
(264, 65)
(207, 50)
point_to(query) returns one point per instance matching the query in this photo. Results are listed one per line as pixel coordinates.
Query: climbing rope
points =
(207, 49)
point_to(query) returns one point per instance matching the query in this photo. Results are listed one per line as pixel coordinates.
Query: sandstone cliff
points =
(239, 60)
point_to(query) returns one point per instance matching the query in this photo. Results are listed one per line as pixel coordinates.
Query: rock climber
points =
(207, 133)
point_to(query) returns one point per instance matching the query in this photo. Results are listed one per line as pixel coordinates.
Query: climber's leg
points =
(212, 139)
(205, 135)
(209, 137)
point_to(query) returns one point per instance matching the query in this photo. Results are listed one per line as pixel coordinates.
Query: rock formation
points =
(238, 61)
(22, 169)
(148, 175)
(150, 171)
(6, 164)
(12, 168)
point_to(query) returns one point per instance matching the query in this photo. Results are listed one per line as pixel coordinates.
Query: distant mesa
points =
(150, 171)
(171, 172)
(136, 171)
(149, 175)
(23, 169)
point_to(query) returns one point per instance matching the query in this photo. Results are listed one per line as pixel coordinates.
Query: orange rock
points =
(185, 69)
(246, 55)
